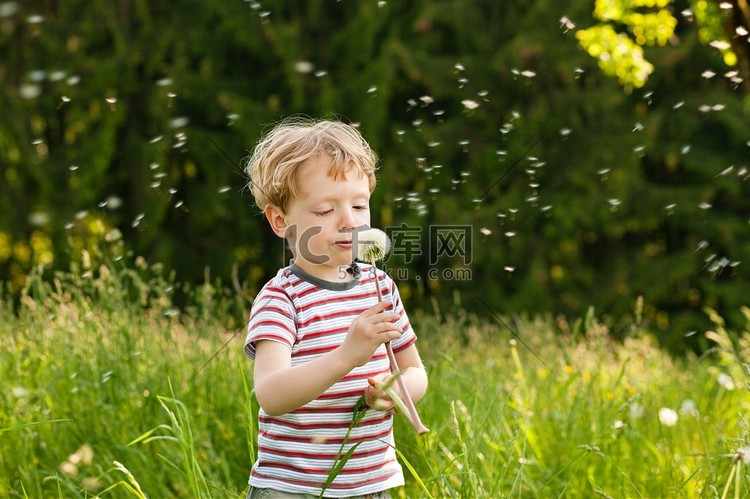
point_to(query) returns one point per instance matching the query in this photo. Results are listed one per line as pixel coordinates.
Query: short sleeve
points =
(272, 317)
(408, 336)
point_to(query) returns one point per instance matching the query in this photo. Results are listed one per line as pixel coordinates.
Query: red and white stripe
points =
(297, 450)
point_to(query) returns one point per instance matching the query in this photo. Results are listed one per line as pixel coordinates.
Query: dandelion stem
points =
(737, 479)
(729, 482)
(413, 416)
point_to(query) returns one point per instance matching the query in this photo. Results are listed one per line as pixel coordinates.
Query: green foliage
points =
(101, 348)
(617, 54)
(648, 23)
(110, 392)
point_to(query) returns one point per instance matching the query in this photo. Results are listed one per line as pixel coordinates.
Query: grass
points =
(111, 390)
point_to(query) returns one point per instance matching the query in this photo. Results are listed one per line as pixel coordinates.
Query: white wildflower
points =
(667, 416)
(69, 468)
(20, 392)
(725, 381)
(688, 408)
(636, 410)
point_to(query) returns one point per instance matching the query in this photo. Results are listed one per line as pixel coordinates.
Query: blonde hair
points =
(273, 167)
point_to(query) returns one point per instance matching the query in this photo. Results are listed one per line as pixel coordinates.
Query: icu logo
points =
(447, 248)
(451, 241)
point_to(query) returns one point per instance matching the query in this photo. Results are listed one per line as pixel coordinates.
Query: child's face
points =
(323, 216)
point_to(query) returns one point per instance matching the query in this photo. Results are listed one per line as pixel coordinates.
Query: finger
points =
(374, 380)
(386, 317)
(384, 327)
(377, 308)
(387, 336)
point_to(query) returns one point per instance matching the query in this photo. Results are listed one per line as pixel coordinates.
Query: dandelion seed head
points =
(20, 392)
(371, 245)
(635, 410)
(667, 416)
(688, 408)
(725, 381)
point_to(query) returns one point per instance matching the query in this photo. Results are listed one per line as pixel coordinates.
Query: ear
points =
(276, 219)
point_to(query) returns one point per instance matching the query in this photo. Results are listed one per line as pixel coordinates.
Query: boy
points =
(317, 332)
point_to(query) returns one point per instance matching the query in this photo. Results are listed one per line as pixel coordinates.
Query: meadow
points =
(110, 389)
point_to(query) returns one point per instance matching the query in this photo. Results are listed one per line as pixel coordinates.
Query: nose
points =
(347, 220)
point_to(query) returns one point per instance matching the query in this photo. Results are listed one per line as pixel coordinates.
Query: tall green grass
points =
(111, 389)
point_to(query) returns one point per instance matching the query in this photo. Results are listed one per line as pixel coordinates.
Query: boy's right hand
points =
(368, 331)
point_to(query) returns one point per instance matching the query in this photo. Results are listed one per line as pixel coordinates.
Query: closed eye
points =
(361, 207)
(323, 213)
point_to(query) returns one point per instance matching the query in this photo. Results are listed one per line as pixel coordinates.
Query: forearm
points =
(415, 382)
(290, 388)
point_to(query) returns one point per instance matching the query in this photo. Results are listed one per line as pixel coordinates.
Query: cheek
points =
(363, 217)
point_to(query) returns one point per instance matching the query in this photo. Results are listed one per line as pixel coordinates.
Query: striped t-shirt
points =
(297, 450)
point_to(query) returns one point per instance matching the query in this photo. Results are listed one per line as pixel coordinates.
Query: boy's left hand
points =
(378, 399)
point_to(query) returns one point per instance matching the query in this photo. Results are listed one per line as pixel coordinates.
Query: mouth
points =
(346, 244)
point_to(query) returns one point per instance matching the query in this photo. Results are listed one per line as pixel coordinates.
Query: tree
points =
(625, 27)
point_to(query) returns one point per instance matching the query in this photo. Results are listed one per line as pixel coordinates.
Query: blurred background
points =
(537, 157)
